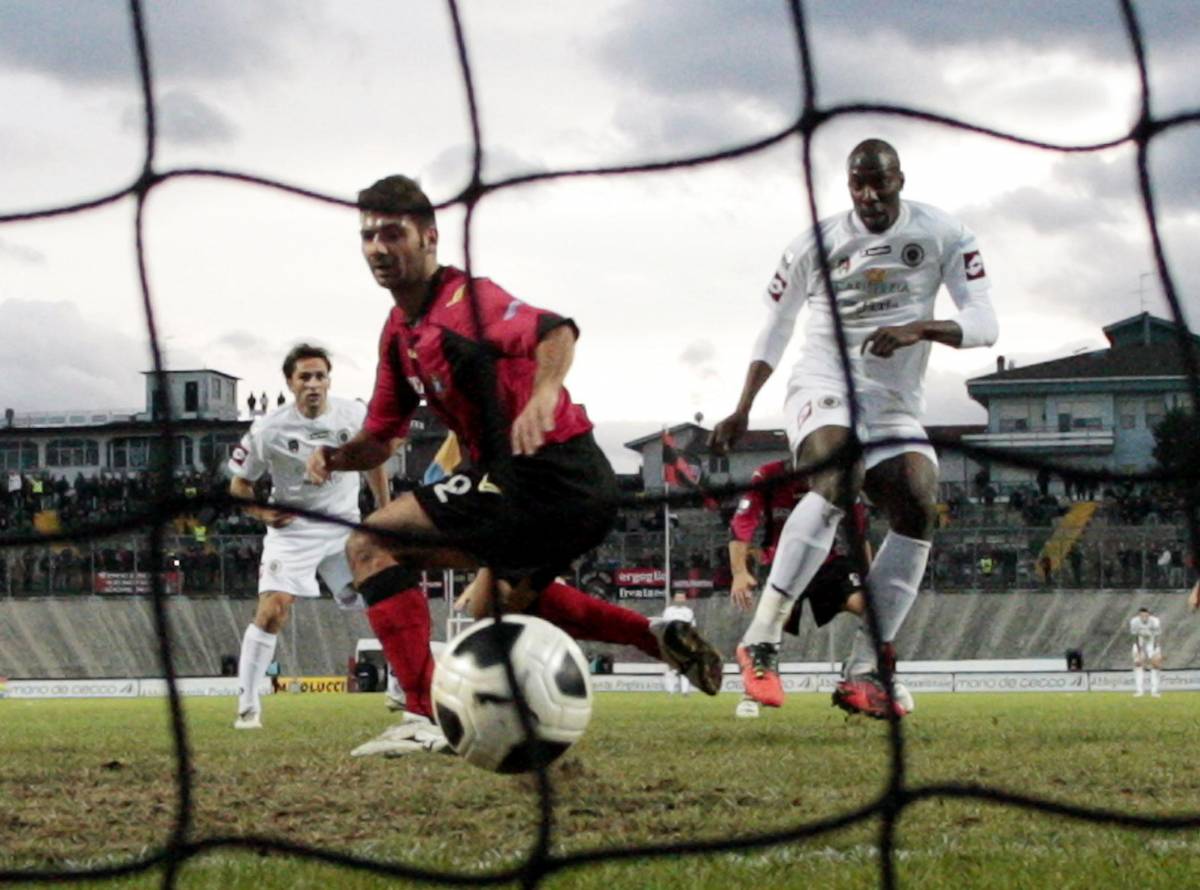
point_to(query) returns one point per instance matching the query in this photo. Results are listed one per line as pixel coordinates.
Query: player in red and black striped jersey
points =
(774, 493)
(538, 492)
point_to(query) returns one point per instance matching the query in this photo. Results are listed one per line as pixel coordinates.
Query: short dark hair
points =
(304, 350)
(398, 195)
(876, 149)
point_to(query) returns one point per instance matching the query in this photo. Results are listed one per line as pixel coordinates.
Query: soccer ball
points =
(474, 705)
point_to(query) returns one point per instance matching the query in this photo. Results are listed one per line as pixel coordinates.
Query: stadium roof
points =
(1143, 346)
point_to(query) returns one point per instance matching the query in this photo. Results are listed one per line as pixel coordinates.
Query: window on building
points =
(1014, 416)
(184, 452)
(191, 396)
(216, 389)
(1080, 414)
(158, 404)
(132, 453)
(718, 464)
(1155, 409)
(72, 453)
(18, 456)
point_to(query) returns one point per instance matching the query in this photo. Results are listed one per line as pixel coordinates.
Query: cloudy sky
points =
(663, 272)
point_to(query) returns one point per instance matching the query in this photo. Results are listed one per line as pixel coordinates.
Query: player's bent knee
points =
(387, 582)
(273, 610)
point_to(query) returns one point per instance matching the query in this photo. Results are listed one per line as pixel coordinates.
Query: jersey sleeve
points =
(966, 279)
(514, 327)
(785, 296)
(247, 460)
(393, 400)
(750, 509)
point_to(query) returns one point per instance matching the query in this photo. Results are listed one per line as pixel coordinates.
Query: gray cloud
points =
(53, 358)
(450, 171)
(184, 118)
(92, 42)
(11, 250)
(738, 62)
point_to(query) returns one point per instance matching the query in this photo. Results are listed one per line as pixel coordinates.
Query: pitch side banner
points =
(73, 688)
(136, 582)
(1032, 681)
(640, 584)
(1122, 681)
(197, 686)
(314, 684)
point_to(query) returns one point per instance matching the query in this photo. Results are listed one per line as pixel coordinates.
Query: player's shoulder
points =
(276, 419)
(347, 408)
(933, 220)
(804, 245)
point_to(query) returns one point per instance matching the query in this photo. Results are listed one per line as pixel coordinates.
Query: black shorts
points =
(532, 518)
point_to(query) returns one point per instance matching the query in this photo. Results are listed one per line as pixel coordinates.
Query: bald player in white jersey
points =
(296, 549)
(888, 259)
(1147, 650)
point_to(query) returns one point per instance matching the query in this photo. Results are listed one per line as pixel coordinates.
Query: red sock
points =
(401, 624)
(587, 617)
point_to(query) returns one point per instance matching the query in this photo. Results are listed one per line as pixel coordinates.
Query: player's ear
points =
(431, 238)
(901, 175)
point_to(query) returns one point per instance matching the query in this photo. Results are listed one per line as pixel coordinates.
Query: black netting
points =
(897, 794)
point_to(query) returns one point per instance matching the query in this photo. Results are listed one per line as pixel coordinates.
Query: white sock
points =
(1138, 682)
(1154, 681)
(894, 579)
(804, 543)
(393, 687)
(863, 657)
(258, 651)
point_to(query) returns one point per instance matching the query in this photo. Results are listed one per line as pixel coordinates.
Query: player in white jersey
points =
(887, 260)
(679, 610)
(1147, 652)
(296, 548)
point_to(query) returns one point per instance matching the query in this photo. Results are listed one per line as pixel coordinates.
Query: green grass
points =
(90, 783)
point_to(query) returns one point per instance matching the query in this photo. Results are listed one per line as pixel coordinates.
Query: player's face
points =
(399, 254)
(309, 383)
(875, 182)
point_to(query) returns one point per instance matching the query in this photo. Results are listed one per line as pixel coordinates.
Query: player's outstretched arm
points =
(363, 452)
(244, 489)
(741, 590)
(1194, 596)
(726, 433)
(555, 353)
(377, 481)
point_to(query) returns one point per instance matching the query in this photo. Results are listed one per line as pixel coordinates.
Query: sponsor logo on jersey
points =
(877, 250)
(457, 296)
(876, 276)
(912, 254)
(973, 264)
(293, 445)
(238, 455)
(320, 434)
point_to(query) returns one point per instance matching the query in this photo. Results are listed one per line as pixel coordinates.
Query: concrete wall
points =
(92, 637)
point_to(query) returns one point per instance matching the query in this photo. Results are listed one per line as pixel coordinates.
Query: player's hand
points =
(535, 420)
(316, 468)
(1194, 596)
(726, 433)
(476, 598)
(741, 591)
(886, 340)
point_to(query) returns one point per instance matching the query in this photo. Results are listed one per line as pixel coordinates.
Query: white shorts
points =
(1151, 653)
(811, 408)
(294, 555)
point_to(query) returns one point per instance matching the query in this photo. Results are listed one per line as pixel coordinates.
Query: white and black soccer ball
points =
(474, 704)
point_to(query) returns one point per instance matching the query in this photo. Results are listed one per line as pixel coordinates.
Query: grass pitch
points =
(86, 784)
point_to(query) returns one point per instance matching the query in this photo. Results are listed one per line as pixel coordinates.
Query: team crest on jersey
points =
(274, 566)
(238, 455)
(876, 276)
(973, 264)
(343, 436)
(829, 402)
(912, 254)
(293, 445)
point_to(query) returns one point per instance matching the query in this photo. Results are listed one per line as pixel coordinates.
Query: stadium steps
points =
(1068, 531)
